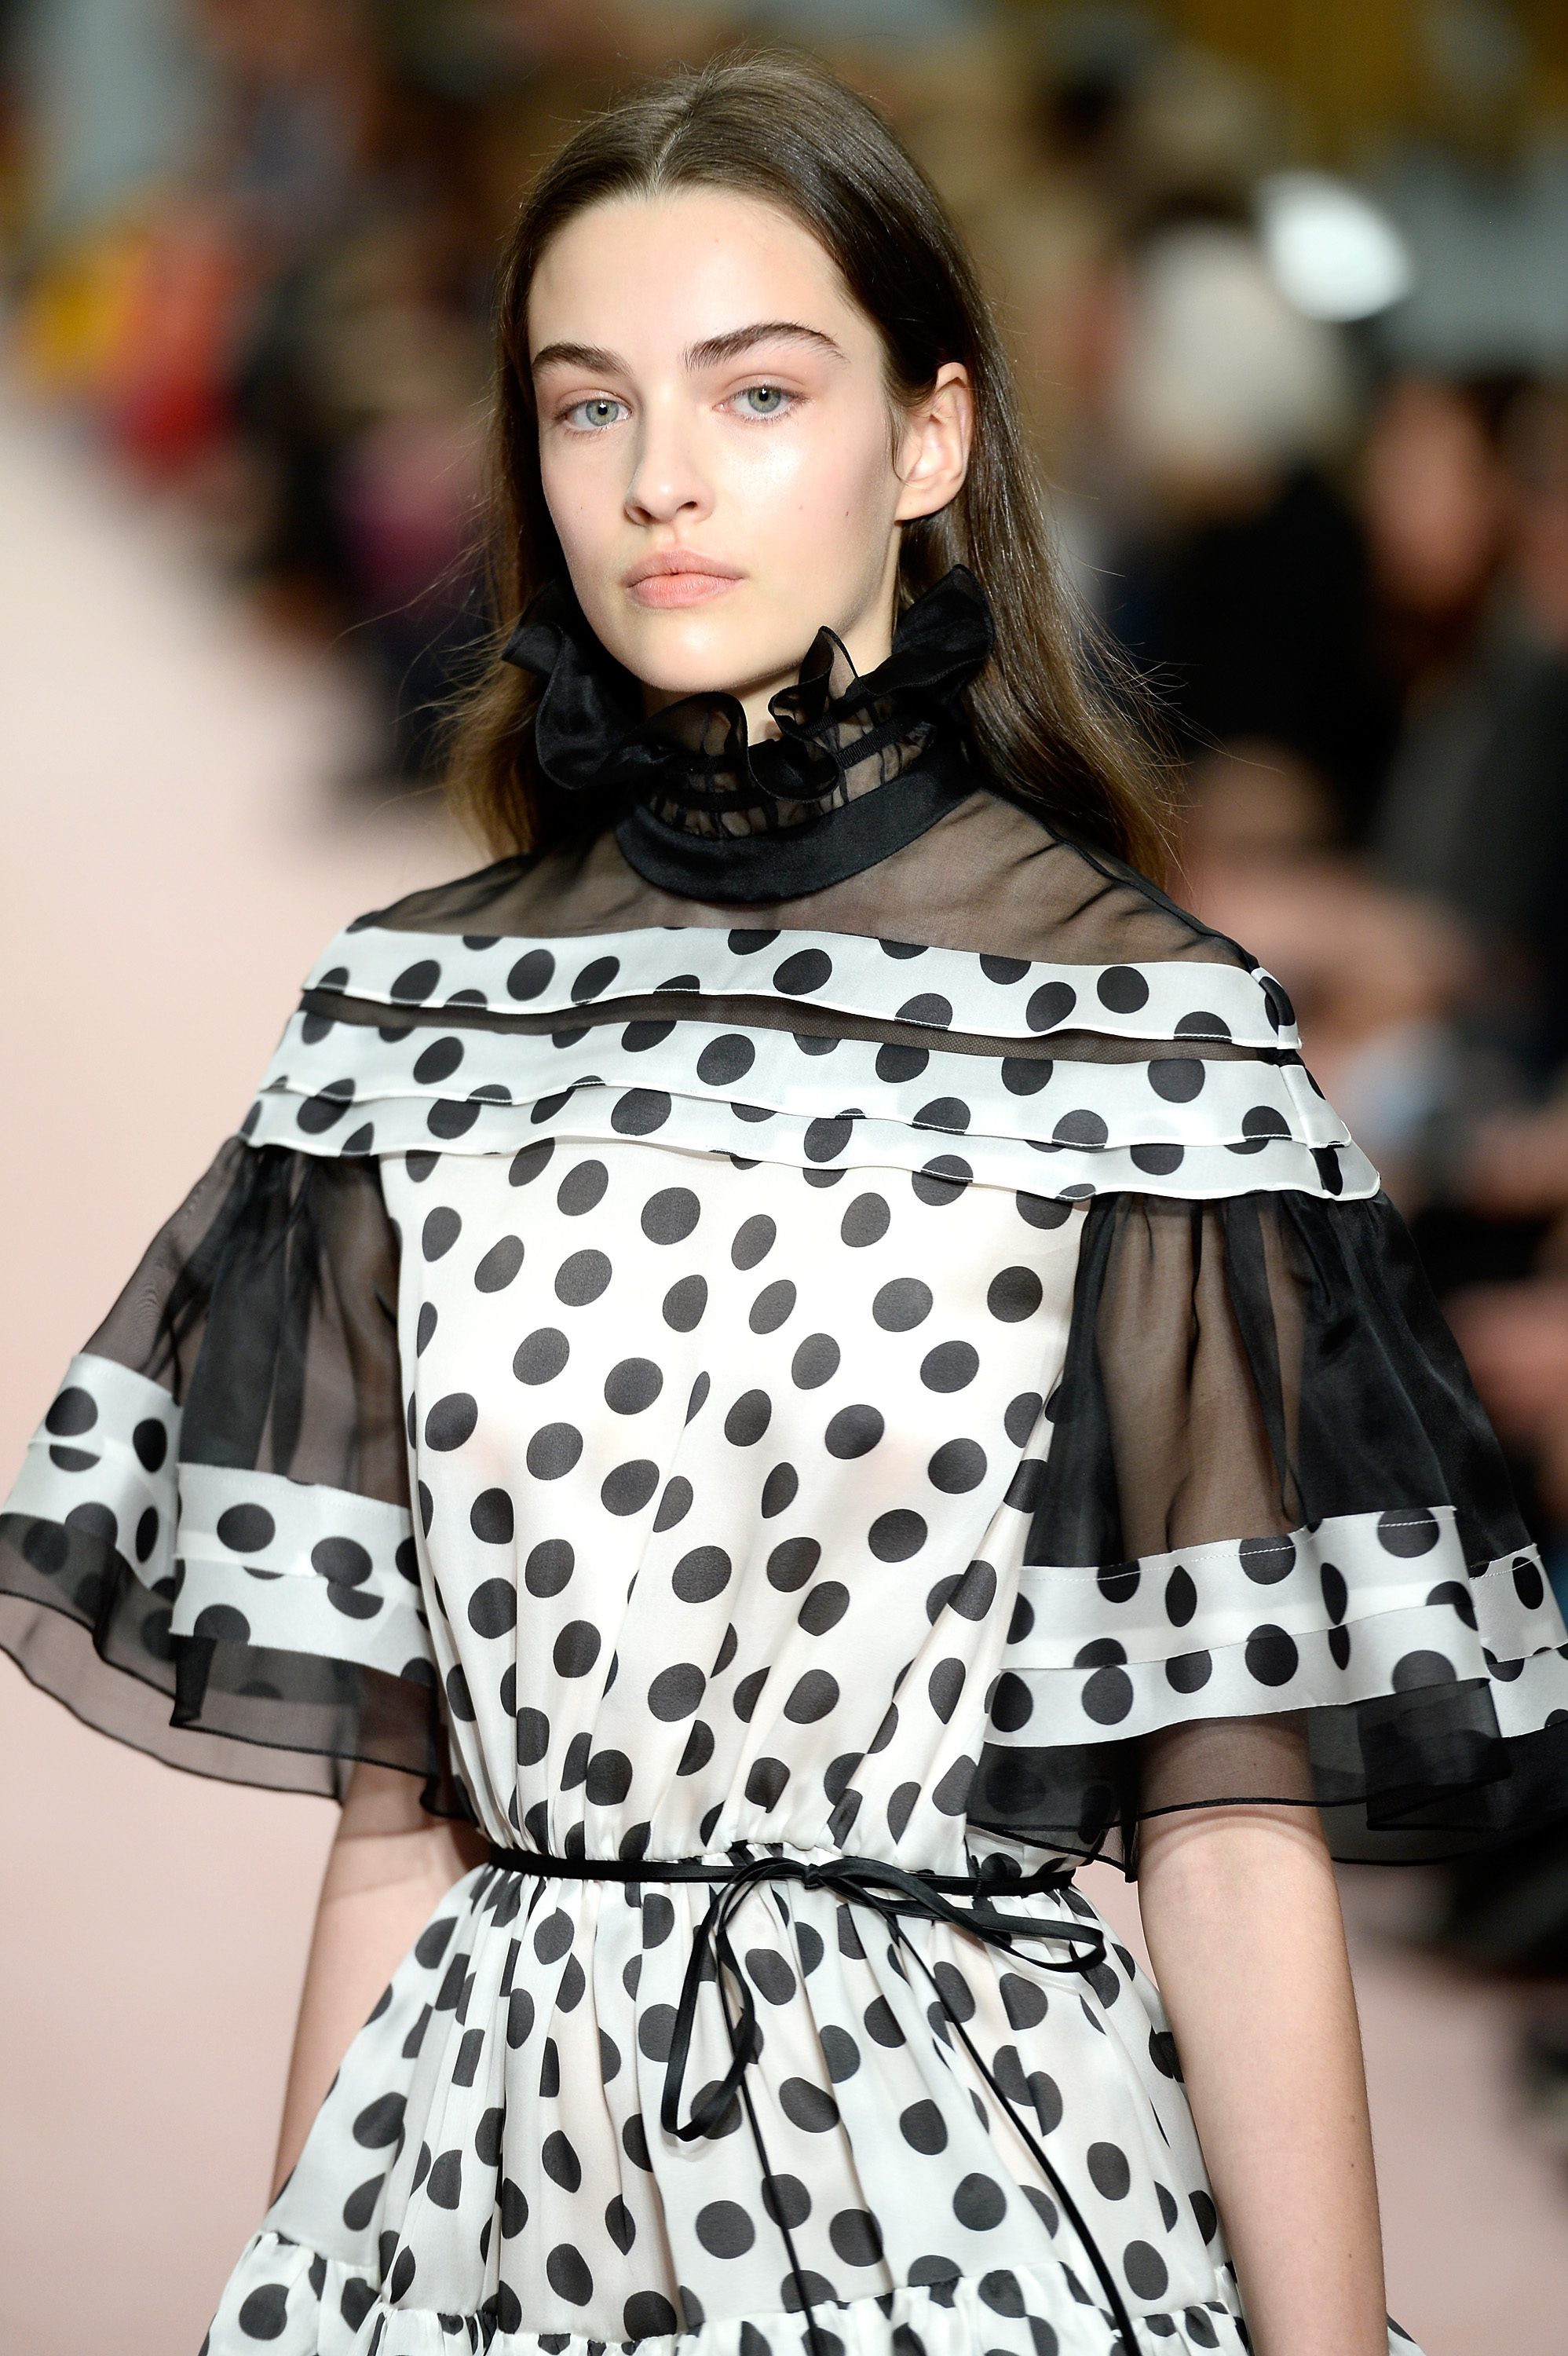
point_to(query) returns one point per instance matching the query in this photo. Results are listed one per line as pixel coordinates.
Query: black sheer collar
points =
(703, 811)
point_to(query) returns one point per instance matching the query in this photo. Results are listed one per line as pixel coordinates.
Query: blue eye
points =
(763, 400)
(592, 415)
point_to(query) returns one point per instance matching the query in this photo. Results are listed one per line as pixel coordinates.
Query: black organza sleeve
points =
(208, 1551)
(1271, 1550)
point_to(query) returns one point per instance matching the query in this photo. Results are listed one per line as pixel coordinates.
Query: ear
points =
(934, 450)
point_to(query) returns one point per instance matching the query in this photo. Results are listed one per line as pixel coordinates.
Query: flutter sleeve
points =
(1271, 1547)
(208, 1552)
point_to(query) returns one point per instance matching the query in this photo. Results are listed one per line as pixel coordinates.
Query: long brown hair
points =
(1050, 712)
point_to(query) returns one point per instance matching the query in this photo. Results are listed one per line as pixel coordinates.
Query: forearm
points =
(389, 1865)
(1242, 1915)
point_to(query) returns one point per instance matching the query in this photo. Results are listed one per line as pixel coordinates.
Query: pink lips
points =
(663, 582)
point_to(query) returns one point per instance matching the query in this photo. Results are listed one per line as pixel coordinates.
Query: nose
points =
(667, 479)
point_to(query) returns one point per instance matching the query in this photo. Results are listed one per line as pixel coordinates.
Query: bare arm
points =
(1242, 1915)
(389, 1865)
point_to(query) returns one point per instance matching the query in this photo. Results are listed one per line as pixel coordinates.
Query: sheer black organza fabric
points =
(1245, 1369)
(1238, 1368)
(697, 805)
(266, 1309)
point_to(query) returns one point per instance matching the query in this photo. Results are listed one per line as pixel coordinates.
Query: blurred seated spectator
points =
(1374, 974)
(1476, 811)
(1244, 593)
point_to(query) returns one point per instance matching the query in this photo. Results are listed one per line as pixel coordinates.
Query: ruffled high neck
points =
(862, 764)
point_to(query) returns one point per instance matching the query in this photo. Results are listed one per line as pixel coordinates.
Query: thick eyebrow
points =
(712, 352)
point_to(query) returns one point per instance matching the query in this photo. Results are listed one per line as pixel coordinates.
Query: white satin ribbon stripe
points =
(893, 980)
(241, 1556)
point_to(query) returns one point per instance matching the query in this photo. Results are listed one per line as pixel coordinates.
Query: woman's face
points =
(719, 454)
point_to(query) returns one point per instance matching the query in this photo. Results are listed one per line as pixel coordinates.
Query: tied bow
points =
(892, 1892)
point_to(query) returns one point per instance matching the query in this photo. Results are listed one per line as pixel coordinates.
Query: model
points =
(772, 1372)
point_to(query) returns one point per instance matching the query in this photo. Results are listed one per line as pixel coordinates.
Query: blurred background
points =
(1288, 283)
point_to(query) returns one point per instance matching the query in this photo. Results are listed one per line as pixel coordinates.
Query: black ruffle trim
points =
(81, 1626)
(704, 809)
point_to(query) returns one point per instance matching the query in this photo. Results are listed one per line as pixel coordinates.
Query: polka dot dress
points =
(712, 1475)
(713, 1392)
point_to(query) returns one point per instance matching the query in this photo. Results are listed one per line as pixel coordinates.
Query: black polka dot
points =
(417, 982)
(553, 1451)
(527, 1165)
(1109, 2171)
(726, 1059)
(942, 1180)
(609, 1778)
(441, 1230)
(902, 1304)
(633, 1386)
(791, 1564)
(855, 2237)
(754, 1238)
(1407, 1533)
(566, 2268)
(627, 1488)
(491, 1517)
(677, 1691)
(701, 1575)
(450, 1421)
(549, 1567)
(747, 1419)
(724, 2228)
(674, 1504)
(1014, 1294)
(854, 1431)
(958, 1466)
(802, 972)
(1177, 1078)
(865, 1222)
(766, 1782)
(541, 1357)
(807, 2106)
(779, 1491)
(897, 1534)
(812, 1697)
(1122, 989)
(648, 2315)
(582, 1189)
(772, 1307)
(1051, 1003)
(151, 1442)
(1271, 1656)
(264, 2313)
(979, 2202)
(531, 975)
(581, 1277)
(1147, 2273)
(923, 2128)
(493, 1608)
(1413, 1670)
(576, 1648)
(684, 1304)
(247, 1529)
(815, 1362)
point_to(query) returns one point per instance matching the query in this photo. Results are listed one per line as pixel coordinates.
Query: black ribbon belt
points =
(891, 1891)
